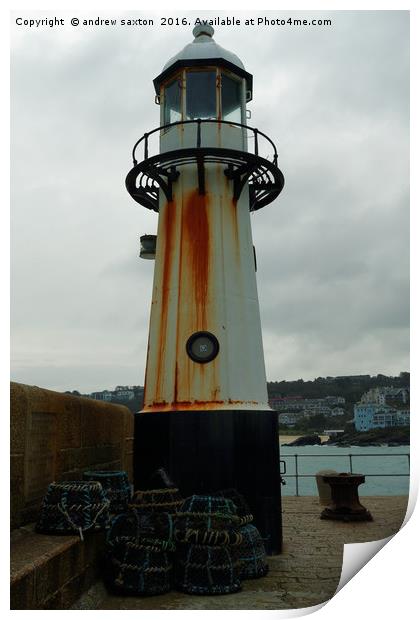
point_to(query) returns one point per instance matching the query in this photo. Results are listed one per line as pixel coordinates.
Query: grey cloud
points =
(332, 250)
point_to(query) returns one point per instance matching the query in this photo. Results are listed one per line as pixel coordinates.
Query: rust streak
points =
(196, 229)
(179, 299)
(168, 231)
(176, 383)
(232, 209)
(197, 405)
(145, 374)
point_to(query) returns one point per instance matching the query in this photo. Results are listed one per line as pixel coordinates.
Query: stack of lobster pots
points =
(205, 544)
(156, 540)
(217, 546)
(251, 551)
(206, 532)
(140, 544)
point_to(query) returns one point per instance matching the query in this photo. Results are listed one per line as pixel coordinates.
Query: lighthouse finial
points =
(203, 29)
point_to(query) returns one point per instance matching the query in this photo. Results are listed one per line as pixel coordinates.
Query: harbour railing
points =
(297, 475)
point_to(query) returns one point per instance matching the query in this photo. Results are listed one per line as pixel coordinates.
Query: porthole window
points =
(202, 347)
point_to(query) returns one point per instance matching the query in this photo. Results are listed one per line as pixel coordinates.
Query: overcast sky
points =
(333, 249)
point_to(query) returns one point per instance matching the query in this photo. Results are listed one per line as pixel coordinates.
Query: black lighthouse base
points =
(208, 451)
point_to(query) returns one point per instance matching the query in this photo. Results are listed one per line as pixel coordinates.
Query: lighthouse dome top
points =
(203, 50)
(204, 47)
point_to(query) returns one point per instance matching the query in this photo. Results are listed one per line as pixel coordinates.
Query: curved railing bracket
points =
(160, 171)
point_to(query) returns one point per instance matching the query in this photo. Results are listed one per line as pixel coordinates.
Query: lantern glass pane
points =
(231, 99)
(172, 103)
(201, 95)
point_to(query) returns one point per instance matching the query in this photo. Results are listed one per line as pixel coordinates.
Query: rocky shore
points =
(392, 437)
(397, 436)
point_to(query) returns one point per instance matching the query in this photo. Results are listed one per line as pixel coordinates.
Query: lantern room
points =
(207, 93)
(204, 81)
(202, 92)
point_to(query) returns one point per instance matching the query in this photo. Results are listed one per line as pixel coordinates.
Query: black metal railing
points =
(350, 456)
(256, 134)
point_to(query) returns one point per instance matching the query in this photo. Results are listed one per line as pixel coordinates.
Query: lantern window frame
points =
(181, 76)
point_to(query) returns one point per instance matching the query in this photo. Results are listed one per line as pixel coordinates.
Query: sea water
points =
(382, 467)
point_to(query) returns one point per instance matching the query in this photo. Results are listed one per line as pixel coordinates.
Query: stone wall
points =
(56, 437)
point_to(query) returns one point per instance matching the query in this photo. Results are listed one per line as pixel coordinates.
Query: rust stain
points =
(196, 405)
(145, 374)
(167, 234)
(177, 344)
(232, 209)
(176, 383)
(195, 226)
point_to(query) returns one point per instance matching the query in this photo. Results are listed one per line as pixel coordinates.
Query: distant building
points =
(370, 415)
(313, 409)
(121, 393)
(124, 393)
(404, 416)
(335, 400)
(386, 395)
(288, 403)
(291, 418)
(399, 395)
(104, 395)
(309, 407)
(337, 411)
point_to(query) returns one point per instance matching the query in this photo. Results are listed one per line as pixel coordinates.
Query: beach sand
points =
(289, 438)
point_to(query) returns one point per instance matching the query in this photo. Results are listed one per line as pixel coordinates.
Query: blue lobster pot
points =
(116, 486)
(141, 569)
(73, 507)
(205, 569)
(138, 553)
(251, 553)
(158, 500)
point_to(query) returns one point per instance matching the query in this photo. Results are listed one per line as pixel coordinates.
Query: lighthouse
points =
(206, 417)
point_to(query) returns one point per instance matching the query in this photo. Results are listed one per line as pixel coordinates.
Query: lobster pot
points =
(251, 553)
(140, 569)
(242, 508)
(153, 529)
(198, 532)
(206, 569)
(73, 507)
(208, 504)
(158, 500)
(207, 520)
(138, 558)
(116, 486)
(207, 528)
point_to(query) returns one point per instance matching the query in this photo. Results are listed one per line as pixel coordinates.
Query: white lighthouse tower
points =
(206, 417)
